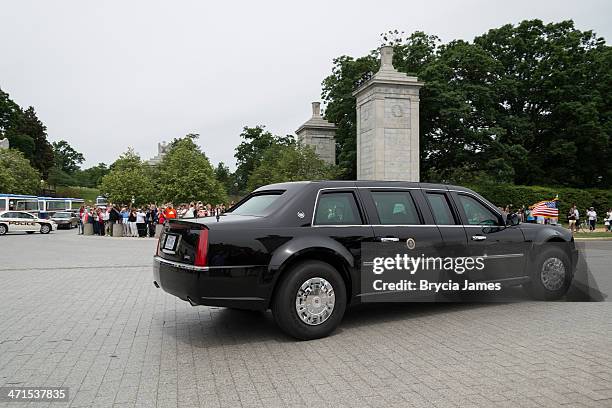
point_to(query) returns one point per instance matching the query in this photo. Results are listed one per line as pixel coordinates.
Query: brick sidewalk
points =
(115, 340)
(111, 337)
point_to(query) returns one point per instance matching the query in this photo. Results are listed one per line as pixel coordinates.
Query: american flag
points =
(546, 209)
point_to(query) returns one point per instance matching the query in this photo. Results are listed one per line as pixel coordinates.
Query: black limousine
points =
(296, 248)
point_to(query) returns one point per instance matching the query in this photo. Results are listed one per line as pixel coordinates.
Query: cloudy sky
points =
(111, 74)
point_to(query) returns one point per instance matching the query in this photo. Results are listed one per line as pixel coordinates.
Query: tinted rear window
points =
(337, 209)
(257, 205)
(441, 209)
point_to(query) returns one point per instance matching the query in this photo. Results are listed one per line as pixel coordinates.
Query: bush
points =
(517, 196)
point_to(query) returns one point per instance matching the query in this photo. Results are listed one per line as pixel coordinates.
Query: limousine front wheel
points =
(551, 275)
(310, 300)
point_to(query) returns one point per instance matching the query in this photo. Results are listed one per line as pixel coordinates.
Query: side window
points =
(337, 209)
(9, 215)
(395, 208)
(26, 216)
(441, 209)
(476, 213)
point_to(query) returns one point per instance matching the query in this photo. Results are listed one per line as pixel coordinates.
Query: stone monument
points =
(388, 124)
(162, 149)
(319, 134)
(4, 143)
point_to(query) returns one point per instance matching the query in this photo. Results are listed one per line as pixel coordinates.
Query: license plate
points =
(170, 242)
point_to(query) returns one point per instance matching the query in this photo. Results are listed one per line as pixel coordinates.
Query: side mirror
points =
(513, 220)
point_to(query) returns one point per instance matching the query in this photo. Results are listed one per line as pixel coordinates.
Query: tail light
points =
(202, 251)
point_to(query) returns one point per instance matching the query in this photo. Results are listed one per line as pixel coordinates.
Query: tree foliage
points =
(249, 153)
(129, 179)
(527, 103)
(25, 133)
(289, 162)
(67, 158)
(17, 176)
(90, 177)
(185, 175)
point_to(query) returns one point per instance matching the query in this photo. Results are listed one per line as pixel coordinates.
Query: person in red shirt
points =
(170, 212)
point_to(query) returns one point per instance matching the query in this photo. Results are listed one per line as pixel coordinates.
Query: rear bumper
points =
(226, 286)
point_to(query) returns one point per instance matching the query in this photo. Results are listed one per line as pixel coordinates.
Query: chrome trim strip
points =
(249, 299)
(179, 265)
(405, 225)
(503, 256)
(200, 268)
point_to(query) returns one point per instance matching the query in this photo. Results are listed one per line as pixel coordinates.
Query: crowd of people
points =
(575, 223)
(573, 218)
(141, 221)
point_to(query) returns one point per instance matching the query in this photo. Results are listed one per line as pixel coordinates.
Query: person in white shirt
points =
(608, 220)
(107, 224)
(140, 223)
(190, 213)
(572, 218)
(592, 217)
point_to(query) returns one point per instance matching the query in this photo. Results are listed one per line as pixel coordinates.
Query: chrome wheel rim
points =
(553, 274)
(314, 302)
(2, 230)
(44, 229)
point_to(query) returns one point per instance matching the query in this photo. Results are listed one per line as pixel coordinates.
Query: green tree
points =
(17, 176)
(186, 175)
(129, 178)
(347, 74)
(281, 163)
(92, 176)
(26, 133)
(224, 176)
(552, 94)
(528, 104)
(256, 140)
(66, 157)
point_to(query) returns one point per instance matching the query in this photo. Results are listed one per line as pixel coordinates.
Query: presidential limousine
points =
(296, 248)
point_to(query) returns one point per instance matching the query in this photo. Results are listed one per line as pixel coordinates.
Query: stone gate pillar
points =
(319, 134)
(388, 124)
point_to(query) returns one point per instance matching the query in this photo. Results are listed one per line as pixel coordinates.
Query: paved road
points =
(81, 312)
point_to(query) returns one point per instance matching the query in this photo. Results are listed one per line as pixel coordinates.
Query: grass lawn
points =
(595, 234)
(87, 194)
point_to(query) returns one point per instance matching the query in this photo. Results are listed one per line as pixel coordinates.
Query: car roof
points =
(360, 183)
(18, 211)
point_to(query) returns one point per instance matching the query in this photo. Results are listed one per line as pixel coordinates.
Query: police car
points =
(23, 221)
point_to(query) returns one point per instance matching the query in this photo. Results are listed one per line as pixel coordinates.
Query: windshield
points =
(27, 205)
(257, 204)
(61, 215)
(56, 205)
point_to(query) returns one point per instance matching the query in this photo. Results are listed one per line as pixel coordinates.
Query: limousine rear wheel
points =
(310, 300)
(551, 275)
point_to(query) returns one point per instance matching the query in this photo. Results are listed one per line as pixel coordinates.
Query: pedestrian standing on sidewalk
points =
(592, 217)
(140, 223)
(132, 222)
(106, 220)
(572, 218)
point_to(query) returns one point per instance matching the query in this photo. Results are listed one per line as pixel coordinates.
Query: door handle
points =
(389, 239)
(478, 237)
